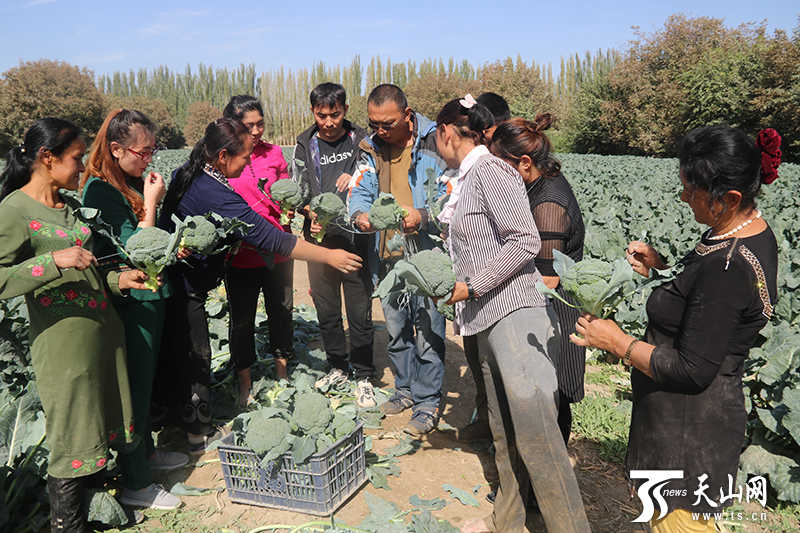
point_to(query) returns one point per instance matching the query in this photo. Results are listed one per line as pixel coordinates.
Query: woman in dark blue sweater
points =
(182, 395)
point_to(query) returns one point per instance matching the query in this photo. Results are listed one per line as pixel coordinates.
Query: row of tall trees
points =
(639, 99)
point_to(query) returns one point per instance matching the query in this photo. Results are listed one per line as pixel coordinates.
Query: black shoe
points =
(532, 507)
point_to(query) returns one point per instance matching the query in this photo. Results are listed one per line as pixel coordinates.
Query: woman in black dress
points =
(688, 406)
(524, 145)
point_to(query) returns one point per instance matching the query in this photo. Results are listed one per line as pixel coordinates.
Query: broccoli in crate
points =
(328, 207)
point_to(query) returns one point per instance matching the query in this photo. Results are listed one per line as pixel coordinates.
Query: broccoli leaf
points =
(435, 504)
(461, 495)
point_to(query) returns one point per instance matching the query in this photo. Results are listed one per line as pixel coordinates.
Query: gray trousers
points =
(518, 361)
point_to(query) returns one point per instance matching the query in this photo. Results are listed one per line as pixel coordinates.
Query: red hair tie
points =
(769, 142)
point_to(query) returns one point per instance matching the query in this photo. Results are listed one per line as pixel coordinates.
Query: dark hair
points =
(388, 93)
(719, 159)
(496, 105)
(120, 126)
(469, 122)
(328, 95)
(241, 104)
(52, 134)
(222, 134)
(517, 137)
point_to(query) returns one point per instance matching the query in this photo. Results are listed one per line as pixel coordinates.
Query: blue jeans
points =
(418, 360)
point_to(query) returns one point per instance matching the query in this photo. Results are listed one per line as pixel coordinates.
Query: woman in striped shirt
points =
(493, 241)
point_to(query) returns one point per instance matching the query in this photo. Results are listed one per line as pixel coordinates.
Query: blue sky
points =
(105, 36)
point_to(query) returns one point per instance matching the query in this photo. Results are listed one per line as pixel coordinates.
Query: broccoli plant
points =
(151, 249)
(312, 413)
(386, 213)
(598, 287)
(202, 236)
(286, 193)
(268, 436)
(328, 207)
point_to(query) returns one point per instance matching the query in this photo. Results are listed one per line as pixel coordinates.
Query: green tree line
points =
(638, 99)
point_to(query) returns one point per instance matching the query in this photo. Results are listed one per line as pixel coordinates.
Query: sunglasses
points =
(385, 127)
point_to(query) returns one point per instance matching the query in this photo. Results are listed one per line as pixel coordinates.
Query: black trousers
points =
(327, 285)
(182, 388)
(244, 285)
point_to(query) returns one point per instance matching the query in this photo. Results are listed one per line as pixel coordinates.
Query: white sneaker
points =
(152, 497)
(331, 378)
(167, 460)
(365, 394)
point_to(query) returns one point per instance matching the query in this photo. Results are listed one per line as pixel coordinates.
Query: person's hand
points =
(134, 279)
(343, 182)
(343, 260)
(183, 253)
(460, 293)
(643, 257)
(74, 257)
(290, 214)
(413, 220)
(362, 221)
(316, 227)
(154, 188)
(597, 332)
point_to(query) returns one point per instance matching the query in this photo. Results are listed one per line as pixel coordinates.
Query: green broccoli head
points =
(436, 270)
(267, 436)
(328, 207)
(286, 193)
(150, 250)
(312, 412)
(386, 213)
(586, 281)
(199, 235)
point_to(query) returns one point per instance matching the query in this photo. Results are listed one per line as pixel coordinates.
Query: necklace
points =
(217, 175)
(734, 230)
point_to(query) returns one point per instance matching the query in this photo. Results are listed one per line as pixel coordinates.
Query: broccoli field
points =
(622, 198)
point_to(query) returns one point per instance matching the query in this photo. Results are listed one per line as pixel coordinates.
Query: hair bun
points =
(769, 142)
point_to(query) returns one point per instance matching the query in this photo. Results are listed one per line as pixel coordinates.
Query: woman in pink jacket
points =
(249, 274)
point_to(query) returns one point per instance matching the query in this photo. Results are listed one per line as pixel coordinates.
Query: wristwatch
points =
(472, 296)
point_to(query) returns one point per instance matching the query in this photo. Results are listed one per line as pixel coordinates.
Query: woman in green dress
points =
(77, 346)
(112, 183)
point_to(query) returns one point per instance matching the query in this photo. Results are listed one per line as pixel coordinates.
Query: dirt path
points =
(441, 460)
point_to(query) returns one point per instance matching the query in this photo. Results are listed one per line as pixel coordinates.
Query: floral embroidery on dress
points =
(127, 433)
(89, 465)
(78, 234)
(33, 268)
(57, 300)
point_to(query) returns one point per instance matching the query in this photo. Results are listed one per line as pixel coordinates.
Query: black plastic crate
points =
(318, 486)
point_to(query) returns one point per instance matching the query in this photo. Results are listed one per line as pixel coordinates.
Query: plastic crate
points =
(318, 486)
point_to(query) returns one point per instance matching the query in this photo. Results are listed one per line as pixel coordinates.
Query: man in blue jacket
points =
(395, 159)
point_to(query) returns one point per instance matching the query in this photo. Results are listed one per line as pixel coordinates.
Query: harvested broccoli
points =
(436, 270)
(596, 285)
(151, 249)
(312, 412)
(386, 213)
(341, 426)
(286, 193)
(447, 311)
(327, 206)
(267, 436)
(202, 236)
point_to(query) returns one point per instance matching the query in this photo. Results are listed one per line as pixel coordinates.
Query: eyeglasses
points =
(144, 155)
(385, 127)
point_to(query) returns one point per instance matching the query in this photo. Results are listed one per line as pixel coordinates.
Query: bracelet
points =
(472, 296)
(626, 359)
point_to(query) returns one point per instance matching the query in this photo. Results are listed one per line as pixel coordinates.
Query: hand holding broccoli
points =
(326, 208)
(386, 213)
